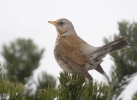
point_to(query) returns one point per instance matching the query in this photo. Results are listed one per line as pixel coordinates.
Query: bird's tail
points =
(121, 43)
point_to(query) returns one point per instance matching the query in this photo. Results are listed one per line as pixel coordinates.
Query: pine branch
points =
(48, 93)
(134, 96)
(125, 60)
(10, 91)
(75, 87)
(70, 86)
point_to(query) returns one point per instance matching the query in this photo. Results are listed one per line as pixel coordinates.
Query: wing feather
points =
(71, 51)
(75, 58)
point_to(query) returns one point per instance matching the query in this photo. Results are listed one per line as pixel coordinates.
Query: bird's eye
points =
(60, 23)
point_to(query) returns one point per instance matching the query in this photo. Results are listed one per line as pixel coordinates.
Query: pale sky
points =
(92, 19)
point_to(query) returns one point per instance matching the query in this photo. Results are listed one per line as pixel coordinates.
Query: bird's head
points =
(64, 27)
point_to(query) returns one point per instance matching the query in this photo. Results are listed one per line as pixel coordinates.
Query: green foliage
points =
(10, 91)
(48, 93)
(134, 96)
(13, 90)
(0, 73)
(44, 81)
(95, 91)
(70, 86)
(21, 58)
(75, 87)
(125, 60)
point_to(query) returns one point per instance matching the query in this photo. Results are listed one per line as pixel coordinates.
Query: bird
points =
(76, 56)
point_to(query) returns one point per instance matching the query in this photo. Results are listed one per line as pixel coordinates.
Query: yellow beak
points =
(52, 22)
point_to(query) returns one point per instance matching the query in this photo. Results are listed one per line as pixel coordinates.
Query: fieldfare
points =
(74, 55)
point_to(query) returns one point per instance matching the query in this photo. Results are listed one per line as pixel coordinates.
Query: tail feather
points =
(121, 43)
(101, 52)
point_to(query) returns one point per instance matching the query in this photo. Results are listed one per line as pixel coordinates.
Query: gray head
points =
(64, 27)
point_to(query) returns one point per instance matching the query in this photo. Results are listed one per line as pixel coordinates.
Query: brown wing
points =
(80, 69)
(69, 48)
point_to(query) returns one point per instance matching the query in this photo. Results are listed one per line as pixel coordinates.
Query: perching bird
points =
(74, 55)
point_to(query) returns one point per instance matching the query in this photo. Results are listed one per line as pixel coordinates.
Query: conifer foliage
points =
(76, 87)
(125, 61)
(10, 91)
(22, 57)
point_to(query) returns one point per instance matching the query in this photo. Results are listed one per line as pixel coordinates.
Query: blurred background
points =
(27, 39)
